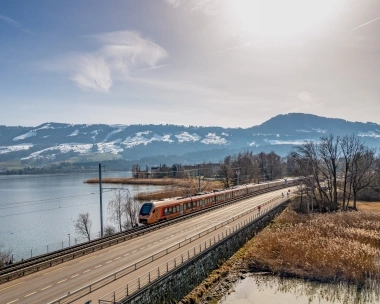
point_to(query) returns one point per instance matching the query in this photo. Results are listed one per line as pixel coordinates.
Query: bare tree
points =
(226, 171)
(116, 208)
(131, 211)
(5, 256)
(83, 225)
(109, 230)
(362, 173)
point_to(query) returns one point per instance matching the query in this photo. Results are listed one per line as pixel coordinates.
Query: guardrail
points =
(51, 259)
(125, 291)
(110, 278)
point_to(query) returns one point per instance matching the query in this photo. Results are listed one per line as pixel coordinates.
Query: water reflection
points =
(265, 289)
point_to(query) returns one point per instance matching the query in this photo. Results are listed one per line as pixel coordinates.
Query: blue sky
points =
(230, 63)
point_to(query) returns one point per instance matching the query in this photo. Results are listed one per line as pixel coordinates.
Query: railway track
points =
(41, 262)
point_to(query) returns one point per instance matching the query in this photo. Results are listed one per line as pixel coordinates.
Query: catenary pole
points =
(101, 203)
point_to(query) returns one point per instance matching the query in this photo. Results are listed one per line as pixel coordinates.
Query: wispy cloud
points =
(236, 47)
(14, 23)
(155, 67)
(208, 7)
(365, 24)
(119, 53)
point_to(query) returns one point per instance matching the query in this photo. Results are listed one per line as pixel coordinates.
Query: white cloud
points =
(119, 52)
(208, 7)
(305, 96)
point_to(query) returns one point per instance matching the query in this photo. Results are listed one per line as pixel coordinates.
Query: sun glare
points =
(268, 19)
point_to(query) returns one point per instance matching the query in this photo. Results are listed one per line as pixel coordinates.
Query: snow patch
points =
(119, 129)
(369, 134)
(212, 138)
(7, 149)
(186, 136)
(26, 135)
(75, 133)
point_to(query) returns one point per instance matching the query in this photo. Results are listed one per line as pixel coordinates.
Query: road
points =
(52, 283)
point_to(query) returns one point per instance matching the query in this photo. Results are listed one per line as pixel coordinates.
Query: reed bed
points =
(181, 188)
(337, 247)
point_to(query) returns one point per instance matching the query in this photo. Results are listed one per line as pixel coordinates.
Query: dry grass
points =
(369, 206)
(339, 247)
(182, 188)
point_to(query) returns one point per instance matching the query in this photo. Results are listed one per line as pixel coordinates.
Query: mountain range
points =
(153, 144)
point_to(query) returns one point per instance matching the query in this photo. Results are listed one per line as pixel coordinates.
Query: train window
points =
(170, 209)
(177, 208)
(166, 211)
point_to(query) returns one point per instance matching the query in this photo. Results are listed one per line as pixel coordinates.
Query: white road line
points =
(61, 281)
(154, 243)
(134, 251)
(117, 258)
(12, 301)
(126, 254)
(108, 262)
(30, 294)
(87, 270)
(46, 287)
(98, 266)
(75, 275)
(149, 245)
(142, 248)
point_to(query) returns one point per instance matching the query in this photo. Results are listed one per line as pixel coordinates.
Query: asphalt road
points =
(55, 282)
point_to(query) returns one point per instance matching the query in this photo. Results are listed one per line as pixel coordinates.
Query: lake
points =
(38, 212)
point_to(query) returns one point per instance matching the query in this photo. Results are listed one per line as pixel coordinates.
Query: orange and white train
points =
(153, 212)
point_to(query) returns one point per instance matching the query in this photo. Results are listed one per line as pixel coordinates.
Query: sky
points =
(228, 63)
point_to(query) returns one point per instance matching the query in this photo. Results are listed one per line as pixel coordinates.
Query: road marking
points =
(142, 248)
(12, 286)
(117, 258)
(108, 262)
(134, 251)
(149, 245)
(86, 259)
(98, 266)
(87, 270)
(54, 270)
(154, 243)
(12, 301)
(30, 294)
(61, 281)
(46, 287)
(75, 275)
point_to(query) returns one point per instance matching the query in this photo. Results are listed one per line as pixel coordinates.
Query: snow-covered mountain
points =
(59, 141)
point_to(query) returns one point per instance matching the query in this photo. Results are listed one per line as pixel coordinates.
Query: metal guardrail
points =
(110, 278)
(35, 264)
(125, 291)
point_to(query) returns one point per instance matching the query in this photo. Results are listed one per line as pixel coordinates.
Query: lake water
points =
(38, 212)
(258, 289)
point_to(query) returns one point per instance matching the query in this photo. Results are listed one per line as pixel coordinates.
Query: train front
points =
(145, 213)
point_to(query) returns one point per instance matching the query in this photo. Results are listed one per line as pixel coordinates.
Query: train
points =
(166, 209)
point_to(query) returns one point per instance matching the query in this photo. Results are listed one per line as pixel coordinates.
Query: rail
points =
(36, 264)
(77, 294)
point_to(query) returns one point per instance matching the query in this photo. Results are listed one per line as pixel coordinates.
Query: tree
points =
(109, 230)
(83, 225)
(116, 208)
(5, 256)
(124, 209)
